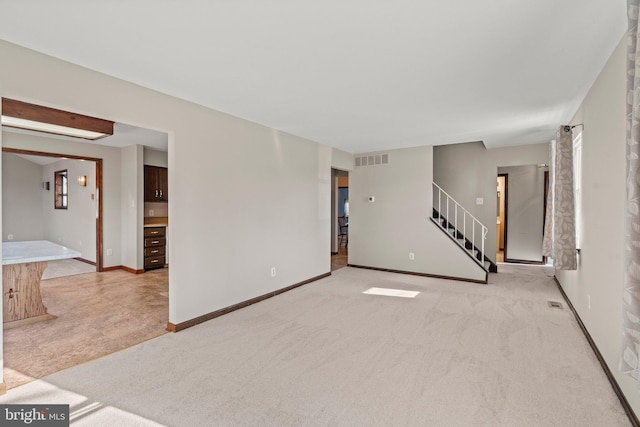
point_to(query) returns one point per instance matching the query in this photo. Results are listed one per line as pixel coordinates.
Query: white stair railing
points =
(463, 220)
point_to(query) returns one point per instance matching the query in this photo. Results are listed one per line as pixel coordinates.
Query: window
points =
(577, 185)
(61, 189)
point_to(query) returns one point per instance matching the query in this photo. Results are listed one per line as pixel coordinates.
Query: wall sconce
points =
(82, 180)
(45, 185)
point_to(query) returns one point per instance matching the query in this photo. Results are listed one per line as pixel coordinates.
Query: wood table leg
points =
(21, 298)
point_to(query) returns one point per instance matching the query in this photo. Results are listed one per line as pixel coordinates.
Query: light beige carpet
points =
(458, 354)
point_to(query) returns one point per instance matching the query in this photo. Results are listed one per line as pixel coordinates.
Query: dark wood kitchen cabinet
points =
(154, 247)
(156, 184)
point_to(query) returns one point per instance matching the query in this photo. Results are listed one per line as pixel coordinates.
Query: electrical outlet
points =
(10, 237)
(412, 256)
(273, 272)
(109, 252)
(151, 212)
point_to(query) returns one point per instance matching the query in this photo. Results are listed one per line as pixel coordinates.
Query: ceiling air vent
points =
(372, 160)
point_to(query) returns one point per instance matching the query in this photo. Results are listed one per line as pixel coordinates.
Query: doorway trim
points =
(98, 161)
(506, 210)
(544, 212)
(506, 198)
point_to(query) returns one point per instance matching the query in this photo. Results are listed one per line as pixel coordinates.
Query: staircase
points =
(462, 227)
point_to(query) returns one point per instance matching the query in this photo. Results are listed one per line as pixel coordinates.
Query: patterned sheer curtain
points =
(559, 242)
(631, 292)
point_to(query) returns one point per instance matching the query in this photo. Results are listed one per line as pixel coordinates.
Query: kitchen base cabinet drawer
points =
(154, 251)
(152, 241)
(154, 262)
(154, 231)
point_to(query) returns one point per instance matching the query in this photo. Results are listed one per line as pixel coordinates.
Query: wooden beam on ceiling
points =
(38, 113)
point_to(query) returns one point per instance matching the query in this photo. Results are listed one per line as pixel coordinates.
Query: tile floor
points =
(98, 314)
(340, 259)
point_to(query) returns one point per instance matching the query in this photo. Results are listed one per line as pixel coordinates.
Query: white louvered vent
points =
(372, 160)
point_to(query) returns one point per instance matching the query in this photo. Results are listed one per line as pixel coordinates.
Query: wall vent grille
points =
(372, 160)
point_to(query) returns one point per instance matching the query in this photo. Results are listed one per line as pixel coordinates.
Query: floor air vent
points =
(554, 304)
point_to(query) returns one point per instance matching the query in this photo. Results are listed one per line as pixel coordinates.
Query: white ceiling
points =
(360, 75)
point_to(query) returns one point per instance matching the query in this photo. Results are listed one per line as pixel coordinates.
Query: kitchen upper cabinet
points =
(156, 184)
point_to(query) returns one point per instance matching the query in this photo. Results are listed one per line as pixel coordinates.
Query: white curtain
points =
(559, 242)
(631, 292)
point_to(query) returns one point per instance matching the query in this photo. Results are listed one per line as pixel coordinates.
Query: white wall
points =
(341, 160)
(132, 193)
(22, 198)
(468, 171)
(244, 198)
(599, 278)
(525, 212)
(383, 233)
(74, 227)
(156, 158)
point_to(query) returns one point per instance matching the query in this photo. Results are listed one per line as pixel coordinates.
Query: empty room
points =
(334, 243)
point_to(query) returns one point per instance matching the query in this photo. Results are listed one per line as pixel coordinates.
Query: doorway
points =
(86, 321)
(339, 219)
(520, 213)
(95, 203)
(501, 217)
